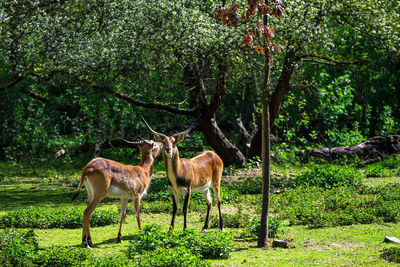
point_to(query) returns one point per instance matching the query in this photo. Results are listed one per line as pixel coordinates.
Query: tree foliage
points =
(85, 70)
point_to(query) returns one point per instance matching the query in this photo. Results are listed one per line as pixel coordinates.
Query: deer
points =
(196, 174)
(107, 178)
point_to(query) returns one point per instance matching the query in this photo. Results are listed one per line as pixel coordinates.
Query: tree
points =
(170, 56)
(261, 40)
(135, 51)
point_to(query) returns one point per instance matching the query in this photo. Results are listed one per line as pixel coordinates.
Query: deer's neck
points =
(146, 162)
(172, 167)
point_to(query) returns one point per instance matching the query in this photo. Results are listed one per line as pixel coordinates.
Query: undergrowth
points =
(211, 245)
(46, 218)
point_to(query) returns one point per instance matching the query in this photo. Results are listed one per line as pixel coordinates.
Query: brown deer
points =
(108, 178)
(197, 174)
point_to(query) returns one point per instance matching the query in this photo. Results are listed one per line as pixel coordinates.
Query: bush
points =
(153, 207)
(47, 218)
(159, 190)
(376, 170)
(253, 229)
(20, 248)
(330, 176)
(251, 185)
(236, 220)
(108, 261)
(391, 162)
(207, 246)
(169, 257)
(318, 207)
(391, 254)
(17, 247)
(61, 256)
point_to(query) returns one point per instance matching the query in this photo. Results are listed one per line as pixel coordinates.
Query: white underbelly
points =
(203, 188)
(116, 192)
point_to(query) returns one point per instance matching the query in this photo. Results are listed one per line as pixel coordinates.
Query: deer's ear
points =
(179, 137)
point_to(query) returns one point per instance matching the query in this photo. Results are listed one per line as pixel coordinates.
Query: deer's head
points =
(170, 148)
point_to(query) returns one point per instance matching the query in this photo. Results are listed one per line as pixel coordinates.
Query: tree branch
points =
(327, 61)
(36, 96)
(131, 100)
(151, 105)
(11, 84)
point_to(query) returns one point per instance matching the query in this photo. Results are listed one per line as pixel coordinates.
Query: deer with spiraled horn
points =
(197, 174)
(107, 178)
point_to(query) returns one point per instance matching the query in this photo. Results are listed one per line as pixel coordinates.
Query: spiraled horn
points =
(188, 130)
(147, 142)
(134, 142)
(154, 132)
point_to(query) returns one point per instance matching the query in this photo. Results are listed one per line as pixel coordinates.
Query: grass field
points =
(358, 244)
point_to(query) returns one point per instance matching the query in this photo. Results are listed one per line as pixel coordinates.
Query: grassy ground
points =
(337, 246)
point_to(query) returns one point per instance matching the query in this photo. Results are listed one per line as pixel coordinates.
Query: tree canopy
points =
(78, 71)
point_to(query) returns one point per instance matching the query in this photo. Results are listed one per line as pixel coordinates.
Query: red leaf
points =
(248, 38)
(263, 9)
(278, 11)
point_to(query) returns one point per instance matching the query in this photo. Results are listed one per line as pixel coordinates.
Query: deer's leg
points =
(86, 239)
(175, 201)
(124, 203)
(97, 185)
(136, 203)
(207, 196)
(185, 206)
(217, 194)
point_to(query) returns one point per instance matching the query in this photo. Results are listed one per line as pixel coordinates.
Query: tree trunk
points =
(277, 99)
(375, 147)
(265, 146)
(205, 111)
(229, 154)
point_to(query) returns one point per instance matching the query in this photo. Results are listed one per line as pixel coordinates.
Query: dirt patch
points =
(254, 172)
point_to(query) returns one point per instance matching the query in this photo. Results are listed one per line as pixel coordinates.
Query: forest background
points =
(81, 72)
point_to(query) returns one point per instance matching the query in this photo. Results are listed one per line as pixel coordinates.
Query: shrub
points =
(251, 185)
(108, 261)
(153, 207)
(391, 162)
(46, 218)
(391, 254)
(148, 239)
(17, 247)
(253, 229)
(207, 246)
(169, 257)
(228, 195)
(158, 190)
(318, 207)
(237, 220)
(376, 170)
(62, 256)
(330, 176)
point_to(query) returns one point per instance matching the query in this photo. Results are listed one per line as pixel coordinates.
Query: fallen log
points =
(375, 147)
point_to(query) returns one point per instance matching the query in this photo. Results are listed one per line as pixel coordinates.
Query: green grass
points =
(21, 188)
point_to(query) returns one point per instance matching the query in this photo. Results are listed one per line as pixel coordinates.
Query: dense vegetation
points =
(78, 74)
(343, 208)
(83, 71)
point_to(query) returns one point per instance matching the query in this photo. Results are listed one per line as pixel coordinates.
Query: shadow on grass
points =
(21, 199)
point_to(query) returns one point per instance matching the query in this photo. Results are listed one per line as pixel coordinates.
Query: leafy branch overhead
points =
(261, 35)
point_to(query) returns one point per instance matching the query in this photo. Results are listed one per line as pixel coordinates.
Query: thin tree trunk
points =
(265, 146)
(277, 99)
